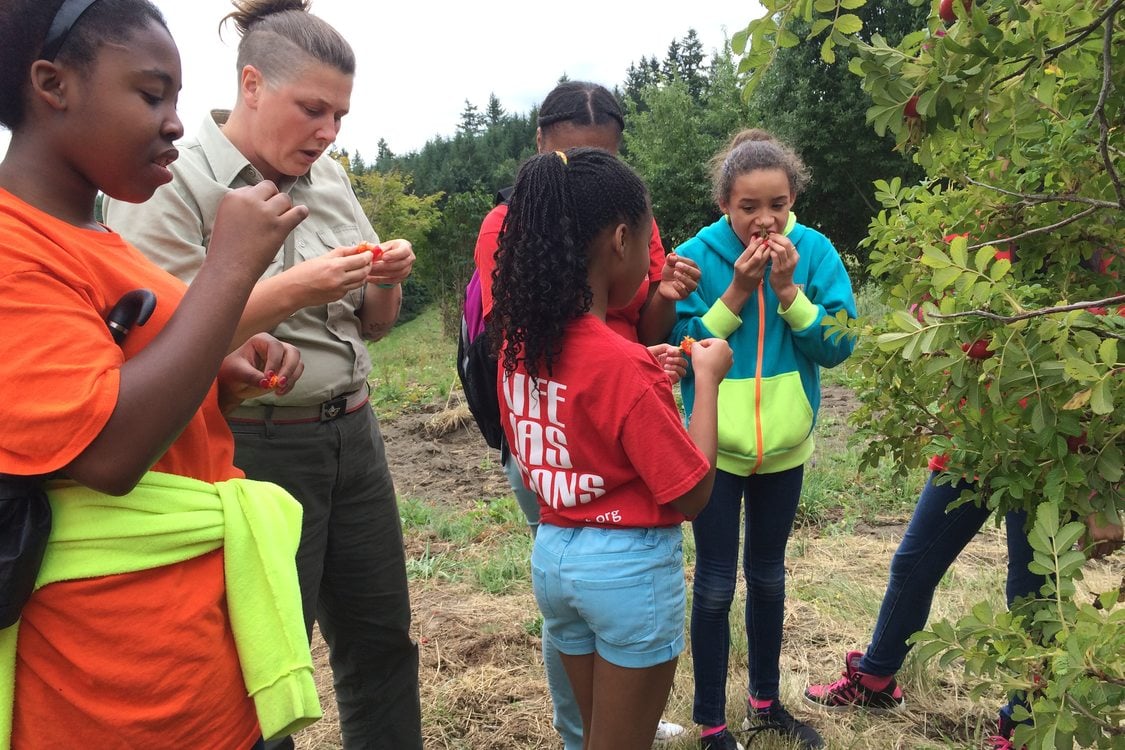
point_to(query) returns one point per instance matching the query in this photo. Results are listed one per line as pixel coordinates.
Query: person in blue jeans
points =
(767, 283)
(933, 540)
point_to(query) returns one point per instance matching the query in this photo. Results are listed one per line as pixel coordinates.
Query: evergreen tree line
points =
(679, 111)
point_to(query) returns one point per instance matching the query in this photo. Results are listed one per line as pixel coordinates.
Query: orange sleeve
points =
(484, 254)
(61, 377)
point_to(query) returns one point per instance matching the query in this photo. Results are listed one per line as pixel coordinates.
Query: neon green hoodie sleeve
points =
(720, 320)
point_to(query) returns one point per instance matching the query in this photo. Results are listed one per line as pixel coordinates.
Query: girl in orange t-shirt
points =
(142, 659)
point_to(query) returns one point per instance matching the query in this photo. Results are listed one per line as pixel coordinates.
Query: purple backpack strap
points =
(474, 307)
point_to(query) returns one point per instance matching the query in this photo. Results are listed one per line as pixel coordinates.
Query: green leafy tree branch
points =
(1001, 272)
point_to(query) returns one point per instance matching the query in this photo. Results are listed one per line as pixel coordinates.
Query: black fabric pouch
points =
(25, 524)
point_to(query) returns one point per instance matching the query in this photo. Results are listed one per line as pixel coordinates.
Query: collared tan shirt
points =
(173, 228)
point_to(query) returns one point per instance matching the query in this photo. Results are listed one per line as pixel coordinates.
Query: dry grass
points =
(448, 420)
(483, 685)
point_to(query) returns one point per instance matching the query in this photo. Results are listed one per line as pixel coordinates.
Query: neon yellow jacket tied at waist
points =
(168, 519)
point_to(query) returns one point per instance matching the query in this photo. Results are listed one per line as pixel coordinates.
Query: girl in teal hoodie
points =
(767, 285)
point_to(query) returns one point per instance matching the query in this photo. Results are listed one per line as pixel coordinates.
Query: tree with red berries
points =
(1003, 343)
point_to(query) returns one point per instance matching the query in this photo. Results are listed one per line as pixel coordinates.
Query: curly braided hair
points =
(558, 207)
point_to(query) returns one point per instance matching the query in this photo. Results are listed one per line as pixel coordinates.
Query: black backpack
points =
(476, 366)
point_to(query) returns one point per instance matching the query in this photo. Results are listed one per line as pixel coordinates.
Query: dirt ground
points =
(482, 681)
(481, 672)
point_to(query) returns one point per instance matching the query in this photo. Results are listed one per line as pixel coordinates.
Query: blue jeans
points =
(351, 567)
(567, 718)
(527, 499)
(933, 540)
(771, 504)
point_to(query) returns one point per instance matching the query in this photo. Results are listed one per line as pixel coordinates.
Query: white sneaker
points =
(666, 731)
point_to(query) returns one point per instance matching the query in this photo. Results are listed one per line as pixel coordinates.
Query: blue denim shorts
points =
(619, 592)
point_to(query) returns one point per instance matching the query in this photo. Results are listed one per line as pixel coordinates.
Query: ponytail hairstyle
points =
(580, 103)
(560, 203)
(753, 149)
(278, 35)
(78, 29)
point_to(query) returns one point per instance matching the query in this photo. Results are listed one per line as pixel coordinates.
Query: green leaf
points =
(1070, 561)
(738, 41)
(1108, 352)
(1101, 400)
(1068, 535)
(913, 348)
(855, 65)
(825, 6)
(927, 651)
(1038, 418)
(982, 611)
(1109, 465)
(949, 657)
(786, 38)
(944, 277)
(849, 24)
(826, 52)
(1040, 569)
(928, 339)
(1081, 370)
(852, 4)
(944, 630)
(906, 321)
(983, 256)
(933, 257)
(1000, 269)
(1047, 519)
(959, 251)
(888, 342)
(1039, 540)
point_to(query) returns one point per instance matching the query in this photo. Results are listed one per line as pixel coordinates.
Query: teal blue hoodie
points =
(770, 398)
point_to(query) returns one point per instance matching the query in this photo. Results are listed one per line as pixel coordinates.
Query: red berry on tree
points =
(978, 349)
(911, 108)
(946, 12)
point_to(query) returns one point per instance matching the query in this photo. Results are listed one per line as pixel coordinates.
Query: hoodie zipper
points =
(758, 377)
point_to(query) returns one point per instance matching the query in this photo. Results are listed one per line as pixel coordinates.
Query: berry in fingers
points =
(375, 250)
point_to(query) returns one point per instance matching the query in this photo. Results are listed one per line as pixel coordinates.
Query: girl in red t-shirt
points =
(591, 421)
(144, 657)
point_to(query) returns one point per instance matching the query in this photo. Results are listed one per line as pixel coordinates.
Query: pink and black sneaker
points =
(856, 689)
(1002, 740)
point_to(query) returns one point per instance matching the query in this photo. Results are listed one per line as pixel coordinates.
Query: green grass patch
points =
(506, 569)
(412, 366)
(431, 565)
(487, 543)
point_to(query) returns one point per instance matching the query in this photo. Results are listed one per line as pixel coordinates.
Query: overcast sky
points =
(418, 61)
